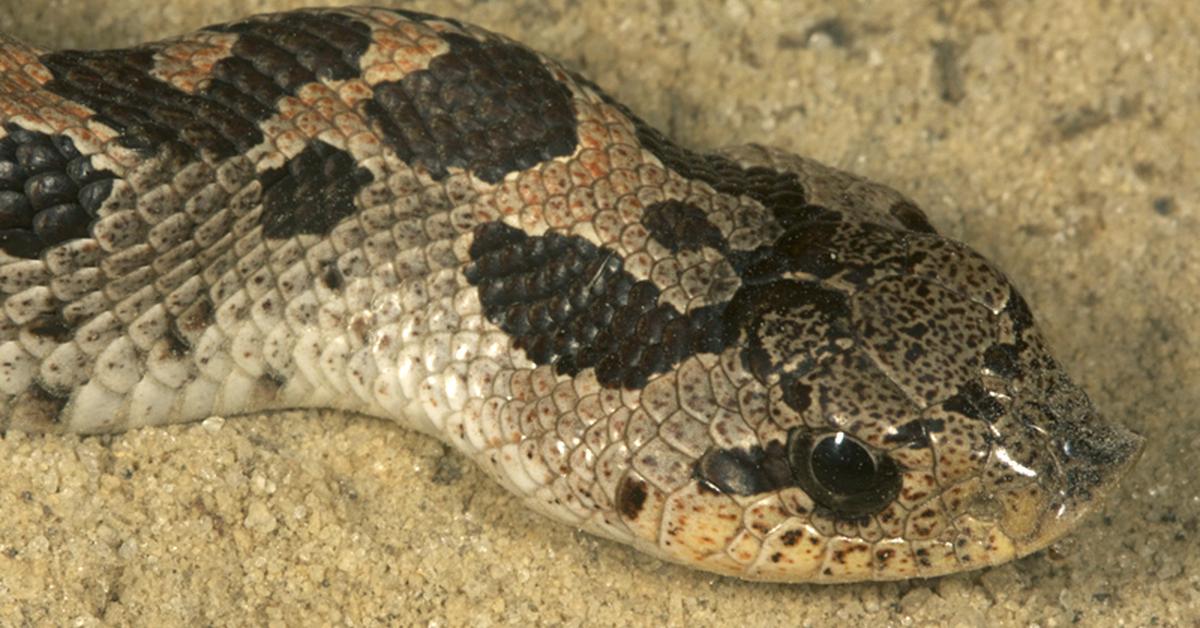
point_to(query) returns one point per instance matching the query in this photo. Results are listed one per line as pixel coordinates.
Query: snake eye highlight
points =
(842, 474)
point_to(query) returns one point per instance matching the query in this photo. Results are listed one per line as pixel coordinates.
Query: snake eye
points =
(842, 465)
(842, 474)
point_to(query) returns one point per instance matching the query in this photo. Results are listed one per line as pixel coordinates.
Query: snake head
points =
(908, 418)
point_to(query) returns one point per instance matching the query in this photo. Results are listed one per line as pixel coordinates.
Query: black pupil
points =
(843, 466)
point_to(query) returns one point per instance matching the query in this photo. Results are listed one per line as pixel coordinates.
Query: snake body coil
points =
(746, 361)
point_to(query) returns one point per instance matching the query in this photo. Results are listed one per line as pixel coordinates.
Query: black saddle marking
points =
(312, 192)
(274, 56)
(49, 193)
(570, 303)
(485, 106)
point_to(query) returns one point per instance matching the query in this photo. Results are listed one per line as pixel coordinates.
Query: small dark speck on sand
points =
(448, 468)
(948, 74)
(1076, 123)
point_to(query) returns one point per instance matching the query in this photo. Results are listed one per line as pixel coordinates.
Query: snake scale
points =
(742, 361)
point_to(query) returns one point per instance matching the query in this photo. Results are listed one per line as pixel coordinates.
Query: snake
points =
(741, 360)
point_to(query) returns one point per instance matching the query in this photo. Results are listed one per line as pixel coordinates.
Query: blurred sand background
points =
(1060, 139)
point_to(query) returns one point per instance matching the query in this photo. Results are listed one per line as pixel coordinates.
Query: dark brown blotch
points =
(680, 226)
(37, 409)
(192, 322)
(292, 49)
(331, 275)
(1003, 360)
(973, 401)
(792, 537)
(911, 217)
(49, 192)
(915, 433)
(52, 326)
(146, 112)
(488, 107)
(631, 497)
(744, 472)
(312, 192)
(569, 303)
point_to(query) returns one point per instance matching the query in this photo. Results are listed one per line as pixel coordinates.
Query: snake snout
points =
(1089, 456)
(1095, 454)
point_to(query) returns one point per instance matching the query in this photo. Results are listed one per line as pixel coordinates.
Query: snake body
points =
(743, 361)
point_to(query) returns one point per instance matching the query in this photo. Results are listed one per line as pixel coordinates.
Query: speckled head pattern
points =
(745, 362)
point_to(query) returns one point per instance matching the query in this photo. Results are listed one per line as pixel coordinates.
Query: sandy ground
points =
(1058, 138)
